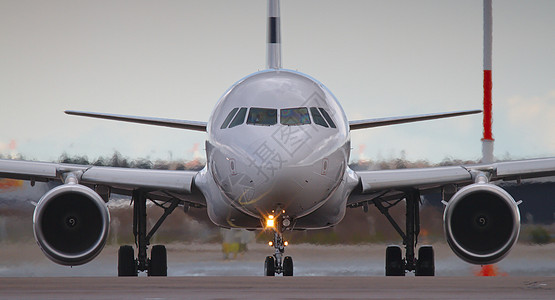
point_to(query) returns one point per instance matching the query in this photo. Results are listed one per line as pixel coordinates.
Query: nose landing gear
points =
(278, 264)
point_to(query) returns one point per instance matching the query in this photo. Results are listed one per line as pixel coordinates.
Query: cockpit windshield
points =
(294, 116)
(262, 116)
(317, 117)
(269, 116)
(229, 117)
(327, 117)
(239, 118)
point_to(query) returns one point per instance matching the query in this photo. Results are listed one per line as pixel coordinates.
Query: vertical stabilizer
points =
(273, 56)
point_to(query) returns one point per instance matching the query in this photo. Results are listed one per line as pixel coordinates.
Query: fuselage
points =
(278, 141)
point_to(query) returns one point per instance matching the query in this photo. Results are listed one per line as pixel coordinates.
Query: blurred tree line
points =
(118, 160)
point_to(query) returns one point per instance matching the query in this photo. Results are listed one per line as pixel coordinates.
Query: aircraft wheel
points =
(425, 265)
(394, 262)
(158, 261)
(269, 266)
(288, 266)
(126, 261)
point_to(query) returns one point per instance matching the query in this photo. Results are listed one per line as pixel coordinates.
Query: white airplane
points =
(277, 152)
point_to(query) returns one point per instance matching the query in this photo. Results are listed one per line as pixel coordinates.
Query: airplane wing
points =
(181, 124)
(481, 220)
(374, 184)
(159, 184)
(368, 123)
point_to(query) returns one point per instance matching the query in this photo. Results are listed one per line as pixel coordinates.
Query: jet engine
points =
(71, 224)
(481, 223)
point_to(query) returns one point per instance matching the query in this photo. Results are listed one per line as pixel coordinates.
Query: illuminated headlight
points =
(270, 222)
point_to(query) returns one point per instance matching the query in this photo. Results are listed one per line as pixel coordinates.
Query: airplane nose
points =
(265, 181)
(274, 166)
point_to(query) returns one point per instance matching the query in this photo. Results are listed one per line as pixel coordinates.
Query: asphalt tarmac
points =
(191, 260)
(238, 287)
(198, 271)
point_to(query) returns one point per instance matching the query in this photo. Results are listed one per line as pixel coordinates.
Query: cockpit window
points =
(268, 117)
(262, 116)
(294, 116)
(229, 117)
(327, 117)
(239, 118)
(317, 117)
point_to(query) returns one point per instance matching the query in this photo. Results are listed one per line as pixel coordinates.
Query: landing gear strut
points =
(278, 264)
(395, 265)
(157, 264)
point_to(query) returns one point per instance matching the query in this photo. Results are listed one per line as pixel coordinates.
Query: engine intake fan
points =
(71, 224)
(481, 223)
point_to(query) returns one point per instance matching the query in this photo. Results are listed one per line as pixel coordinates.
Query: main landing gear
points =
(157, 264)
(395, 264)
(278, 264)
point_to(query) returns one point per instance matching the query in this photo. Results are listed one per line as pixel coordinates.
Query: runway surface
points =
(198, 271)
(239, 287)
(186, 259)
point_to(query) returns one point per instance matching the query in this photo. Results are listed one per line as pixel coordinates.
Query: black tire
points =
(288, 266)
(270, 266)
(425, 265)
(158, 261)
(394, 262)
(127, 265)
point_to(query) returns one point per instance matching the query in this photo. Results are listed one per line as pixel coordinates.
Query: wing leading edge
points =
(372, 182)
(120, 180)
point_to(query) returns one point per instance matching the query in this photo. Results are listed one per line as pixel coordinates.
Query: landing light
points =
(270, 243)
(286, 243)
(270, 221)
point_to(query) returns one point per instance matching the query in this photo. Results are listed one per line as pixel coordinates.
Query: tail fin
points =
(273, 59)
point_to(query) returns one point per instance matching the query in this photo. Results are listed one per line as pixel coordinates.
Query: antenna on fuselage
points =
(273, 56)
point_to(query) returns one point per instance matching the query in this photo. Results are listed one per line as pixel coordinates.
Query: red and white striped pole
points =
(487, 140)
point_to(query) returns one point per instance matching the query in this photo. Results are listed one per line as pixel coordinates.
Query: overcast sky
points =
(175, 59)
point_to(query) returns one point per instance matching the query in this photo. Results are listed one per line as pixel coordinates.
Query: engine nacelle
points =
(71, 224)
(481, 223)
